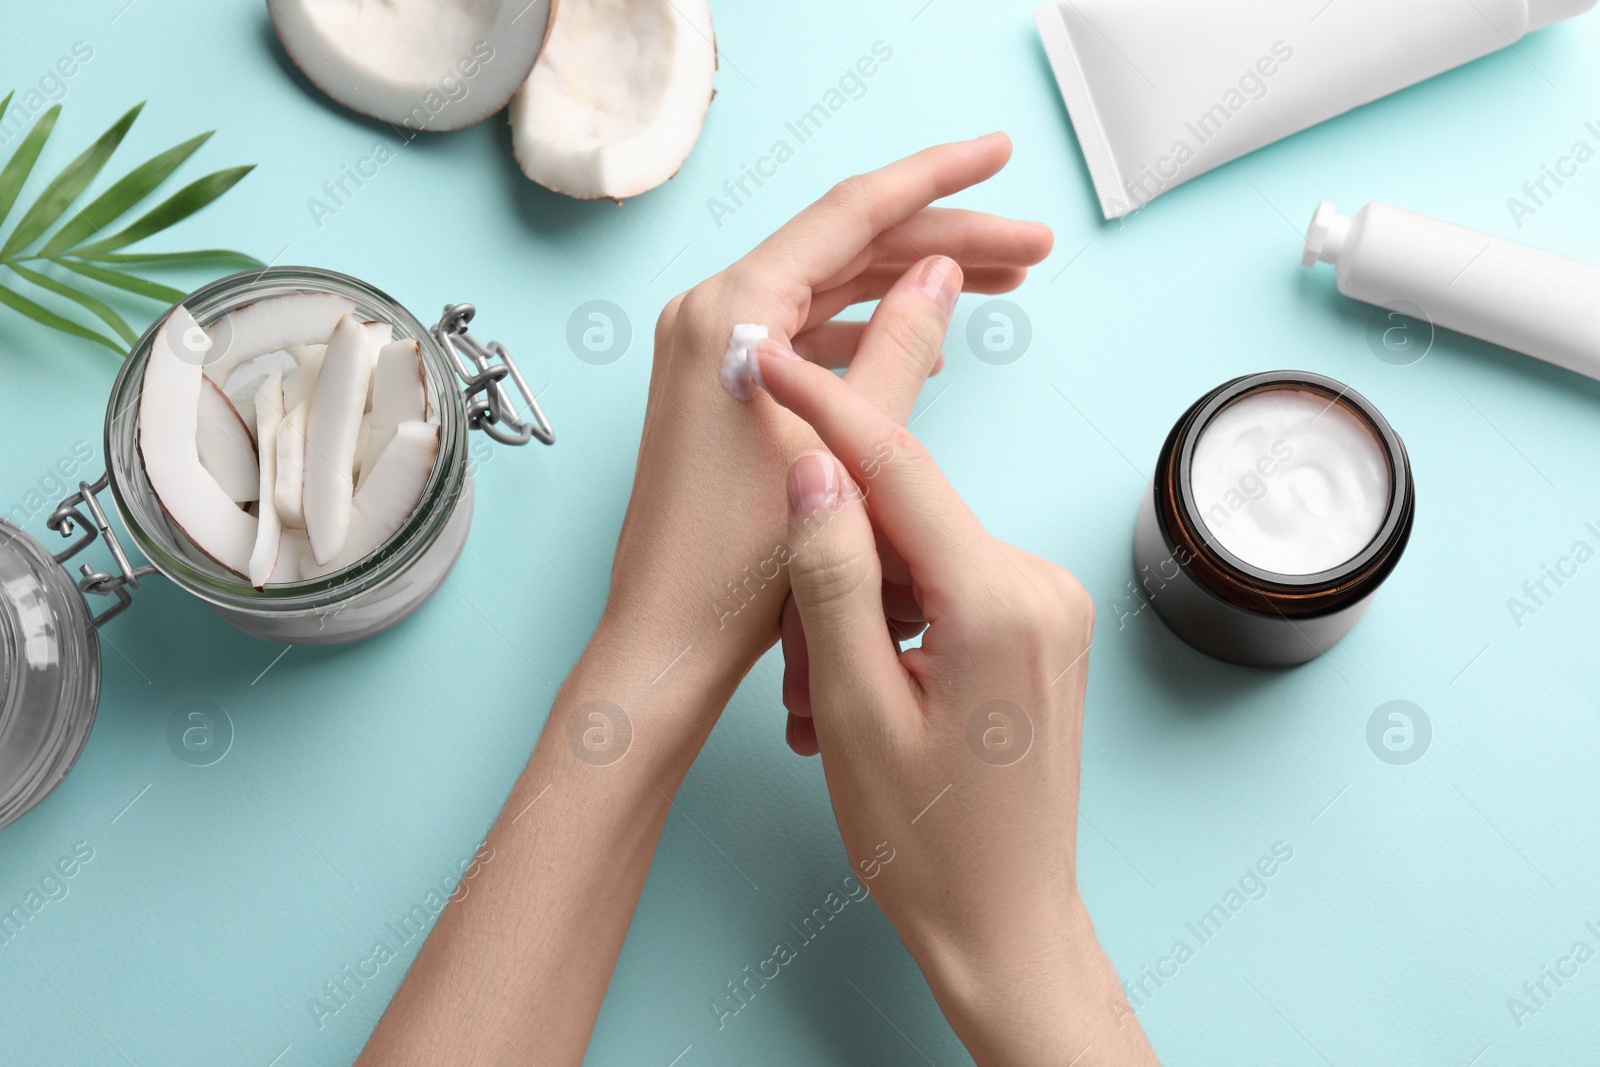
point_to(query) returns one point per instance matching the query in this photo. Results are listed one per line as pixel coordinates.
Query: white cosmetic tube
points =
(1536, 302)
(1161, 91)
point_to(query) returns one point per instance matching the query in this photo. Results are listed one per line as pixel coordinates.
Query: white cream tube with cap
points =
(1535, 302)
(1161, 91)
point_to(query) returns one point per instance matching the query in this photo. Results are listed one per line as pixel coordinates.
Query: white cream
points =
(1289, 481)
(741, 374)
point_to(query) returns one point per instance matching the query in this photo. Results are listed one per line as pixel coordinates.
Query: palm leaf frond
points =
(89, 245)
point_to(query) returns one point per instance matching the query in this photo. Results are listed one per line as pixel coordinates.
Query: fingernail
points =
(813, 484)
(940, 279)
(788, 731)
(768, 348)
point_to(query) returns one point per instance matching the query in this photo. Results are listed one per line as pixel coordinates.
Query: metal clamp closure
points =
(490, 407)
(66, 519)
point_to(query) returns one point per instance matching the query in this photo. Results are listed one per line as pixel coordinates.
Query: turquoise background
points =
(1419, 898)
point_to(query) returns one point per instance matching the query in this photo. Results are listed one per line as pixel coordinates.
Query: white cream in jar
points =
(1279, 504)
(1289, 481)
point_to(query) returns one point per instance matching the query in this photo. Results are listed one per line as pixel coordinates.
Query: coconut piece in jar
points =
(399, 394)
(169, 415)
(255, 329)
(332, 428)
(269, 526)
(289, 489)
(388, 496)
(226, 448)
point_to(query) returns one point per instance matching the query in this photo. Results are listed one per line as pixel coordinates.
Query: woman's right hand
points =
(952, 767)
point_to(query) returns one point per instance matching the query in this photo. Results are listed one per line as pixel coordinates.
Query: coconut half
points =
(618, 97)
(276, 322)
(227, 451)
(169, 413)
(425, 64)
(331, 435)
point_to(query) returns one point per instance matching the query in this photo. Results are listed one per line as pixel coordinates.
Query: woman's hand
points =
(517, 969)
(696, 566)
(953, 767)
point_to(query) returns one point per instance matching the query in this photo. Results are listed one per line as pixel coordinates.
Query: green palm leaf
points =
(220, 257)
(177, 207)
(166, 294)
(52, 320)
(21, 163)
(111, 204)
(101, 260)
(96, 307)
(74, 179)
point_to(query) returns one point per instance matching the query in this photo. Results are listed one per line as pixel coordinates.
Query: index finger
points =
(916, 507)
(820, 241)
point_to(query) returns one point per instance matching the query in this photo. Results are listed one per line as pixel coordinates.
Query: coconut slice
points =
(243, 398)
(294, 550)
(298, 386)
(399, 394)
(169, 415)
(426, 64)
(361, 446)
(247, 377)
(331, 434)
(226, 448)
(617, 99)
(269, 527)
(388, 495)
(378, 334)
(276, 322)
(289, 487)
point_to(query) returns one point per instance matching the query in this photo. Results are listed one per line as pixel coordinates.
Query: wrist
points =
(1047, 997)
(645, 693)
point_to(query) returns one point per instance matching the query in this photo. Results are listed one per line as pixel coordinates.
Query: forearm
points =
(524, 958)
(1048, 998)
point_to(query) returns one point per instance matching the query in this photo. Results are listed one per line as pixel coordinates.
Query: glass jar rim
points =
(1243, 583)
(141, 510)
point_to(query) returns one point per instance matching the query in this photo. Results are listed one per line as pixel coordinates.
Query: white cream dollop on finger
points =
(741, 375)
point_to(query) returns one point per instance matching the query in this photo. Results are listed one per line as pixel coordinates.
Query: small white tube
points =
(1535, 302)
(1161, 91)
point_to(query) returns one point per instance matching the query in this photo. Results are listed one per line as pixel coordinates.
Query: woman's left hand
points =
(699, 578)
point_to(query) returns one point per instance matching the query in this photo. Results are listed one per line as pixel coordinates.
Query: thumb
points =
(836, 582)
